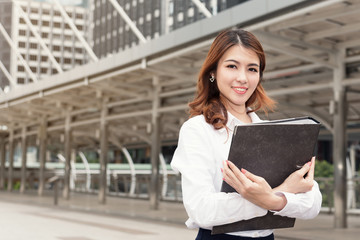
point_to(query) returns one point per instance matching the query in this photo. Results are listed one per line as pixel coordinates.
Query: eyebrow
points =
(251, 64)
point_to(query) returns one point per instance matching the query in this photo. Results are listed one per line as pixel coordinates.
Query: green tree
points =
(324, 169)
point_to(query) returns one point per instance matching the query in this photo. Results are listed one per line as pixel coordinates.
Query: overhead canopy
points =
(304, 43)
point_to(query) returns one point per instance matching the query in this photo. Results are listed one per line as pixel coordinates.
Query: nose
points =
(242, 77)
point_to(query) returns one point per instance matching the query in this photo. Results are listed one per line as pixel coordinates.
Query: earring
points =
(212, 78)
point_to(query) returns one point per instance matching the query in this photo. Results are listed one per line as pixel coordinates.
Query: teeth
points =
(240, 89)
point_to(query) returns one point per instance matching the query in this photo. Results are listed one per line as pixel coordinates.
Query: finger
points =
(311, 172)
(228, 173)
(242, 178)
(229, 176)
(251, 176)
(302, 171)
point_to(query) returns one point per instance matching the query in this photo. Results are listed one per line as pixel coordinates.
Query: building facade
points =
(5, 49)
(47, 21)
(152, 18)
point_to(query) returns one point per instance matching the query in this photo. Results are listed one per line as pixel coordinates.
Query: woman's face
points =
(237, 76)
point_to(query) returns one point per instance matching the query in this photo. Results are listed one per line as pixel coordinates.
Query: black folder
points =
(272, 150)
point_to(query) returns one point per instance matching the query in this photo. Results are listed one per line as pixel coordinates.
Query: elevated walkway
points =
(83, 218)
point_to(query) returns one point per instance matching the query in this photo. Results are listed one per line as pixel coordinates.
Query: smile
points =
(240, 90)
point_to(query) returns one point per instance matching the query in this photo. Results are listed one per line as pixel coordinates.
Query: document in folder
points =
(272, 150)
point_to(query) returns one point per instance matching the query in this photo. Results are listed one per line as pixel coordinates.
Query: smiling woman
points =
(229, 91)
(237, 76)
(239, 54)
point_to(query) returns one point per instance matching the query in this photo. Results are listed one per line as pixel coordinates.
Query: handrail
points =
(72, 170)
(87, 169)
(132, 171)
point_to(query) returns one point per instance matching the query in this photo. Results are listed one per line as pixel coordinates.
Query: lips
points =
(240, 90)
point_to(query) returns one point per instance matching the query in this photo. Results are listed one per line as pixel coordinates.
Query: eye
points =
(231, 66)
(253, 70)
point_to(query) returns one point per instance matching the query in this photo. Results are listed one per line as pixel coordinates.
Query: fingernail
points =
(243, 171)
(309, 163)
(222, 170)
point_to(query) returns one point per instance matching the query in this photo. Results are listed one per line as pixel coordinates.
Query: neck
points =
(240, 112)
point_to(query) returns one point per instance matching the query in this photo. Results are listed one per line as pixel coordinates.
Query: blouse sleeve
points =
(194, 159)
(302, 205)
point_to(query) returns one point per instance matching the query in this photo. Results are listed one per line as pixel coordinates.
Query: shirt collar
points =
(233, 121)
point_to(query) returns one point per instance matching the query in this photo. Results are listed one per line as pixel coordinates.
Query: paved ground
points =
(27, 216)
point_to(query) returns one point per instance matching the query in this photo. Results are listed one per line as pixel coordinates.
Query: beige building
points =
(34, 17)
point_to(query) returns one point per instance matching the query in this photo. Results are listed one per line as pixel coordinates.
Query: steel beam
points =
(202, 8)
(2, 160)
(339, 142)
(67, 153)
(76, 31)
(11, 161)
(18, 54)
(346, 9)
(336, 31)
(103, 154)
(12, 81)
(23, 159)
(42, 155)
(285, 17)
(126, 18)
(297, 54)
(155, 146)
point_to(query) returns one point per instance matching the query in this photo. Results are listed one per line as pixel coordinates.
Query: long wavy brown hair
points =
(207, 99)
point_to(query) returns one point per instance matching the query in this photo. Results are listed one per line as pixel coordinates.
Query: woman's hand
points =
(253, 188)
(296, 182)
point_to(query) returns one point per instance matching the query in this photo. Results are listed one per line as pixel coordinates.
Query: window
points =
(33, 57)
(44, 35)
(22, 32)
(33, 45)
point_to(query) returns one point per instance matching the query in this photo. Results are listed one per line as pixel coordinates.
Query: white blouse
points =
(199, 157)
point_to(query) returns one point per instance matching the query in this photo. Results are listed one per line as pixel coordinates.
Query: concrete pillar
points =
(67, 152)
(11, 161)
(339, 143)
(23, 160)
(2, 161)
(155, 146)
(103, 154)
(42, 156)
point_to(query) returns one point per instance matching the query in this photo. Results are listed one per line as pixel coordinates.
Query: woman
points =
(229, 91)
